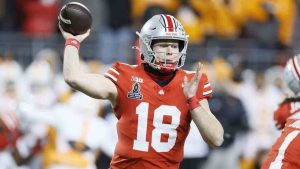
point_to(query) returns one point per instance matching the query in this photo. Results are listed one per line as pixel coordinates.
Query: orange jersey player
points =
(154, 101)
(285, 153)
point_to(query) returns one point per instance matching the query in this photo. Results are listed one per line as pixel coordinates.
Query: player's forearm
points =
(94, 85)
(72, 74)
(208, 125)
(71, 65)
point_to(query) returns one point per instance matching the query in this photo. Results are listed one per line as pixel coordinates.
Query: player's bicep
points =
(97, 86)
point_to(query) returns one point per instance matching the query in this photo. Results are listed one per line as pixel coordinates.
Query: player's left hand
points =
(190, 87)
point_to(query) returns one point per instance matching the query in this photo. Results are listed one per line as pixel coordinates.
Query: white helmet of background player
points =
(292, 74)
(162, 27)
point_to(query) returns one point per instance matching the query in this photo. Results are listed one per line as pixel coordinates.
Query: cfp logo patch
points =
(135, 92)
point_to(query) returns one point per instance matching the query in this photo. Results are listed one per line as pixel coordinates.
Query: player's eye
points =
(175, 46)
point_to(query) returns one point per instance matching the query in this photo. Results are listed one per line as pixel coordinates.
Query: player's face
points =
(166, 52)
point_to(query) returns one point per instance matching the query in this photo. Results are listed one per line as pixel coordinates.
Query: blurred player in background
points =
(73, 140)
(154, 101)
(285, 152)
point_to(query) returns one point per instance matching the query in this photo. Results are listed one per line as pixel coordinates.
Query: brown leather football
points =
(75, 18)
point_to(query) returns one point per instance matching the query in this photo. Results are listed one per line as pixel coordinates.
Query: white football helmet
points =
(292, 74)
(162, 27)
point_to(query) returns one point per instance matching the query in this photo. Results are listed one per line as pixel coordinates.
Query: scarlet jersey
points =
(154, 121)
(287, 109)
(285, 152)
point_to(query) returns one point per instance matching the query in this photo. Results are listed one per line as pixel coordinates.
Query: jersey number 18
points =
(140, 143)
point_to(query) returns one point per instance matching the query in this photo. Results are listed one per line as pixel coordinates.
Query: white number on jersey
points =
(160, 128)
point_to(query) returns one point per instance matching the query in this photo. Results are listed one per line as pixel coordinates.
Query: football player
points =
(285, 152)
(154, 101)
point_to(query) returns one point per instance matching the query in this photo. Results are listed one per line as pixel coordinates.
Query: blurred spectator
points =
(237, 11)
(285, 12)
(267, 18)
(196, 150)
(104, 160)
(274, 76)
(74, 138)
(8, 16)
(217, 18)
(117, 38)
(232, 115)
(40, 76)
(193, 23)
(265, 34)
(10, 73)
(37, 90)
(204, 9)
(255, 11)
(39, 17)
(255, 95)
(140, 6)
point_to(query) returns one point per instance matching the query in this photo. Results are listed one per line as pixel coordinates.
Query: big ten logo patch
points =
(137, 79)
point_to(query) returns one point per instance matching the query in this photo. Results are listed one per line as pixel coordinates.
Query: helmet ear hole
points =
(142, 56)
(181, 45)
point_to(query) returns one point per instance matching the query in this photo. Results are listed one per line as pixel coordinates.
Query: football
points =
(75, 18)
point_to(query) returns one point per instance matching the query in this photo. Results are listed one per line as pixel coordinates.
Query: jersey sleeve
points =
(113, 72)
(204, 88)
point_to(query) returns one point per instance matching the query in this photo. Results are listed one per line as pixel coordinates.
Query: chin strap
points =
(165, 67)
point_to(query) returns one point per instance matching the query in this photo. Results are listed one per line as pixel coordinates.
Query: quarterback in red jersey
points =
(154, 101)
(285, 152)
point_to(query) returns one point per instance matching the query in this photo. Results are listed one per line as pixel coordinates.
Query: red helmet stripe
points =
(170, 23)
(296, 66)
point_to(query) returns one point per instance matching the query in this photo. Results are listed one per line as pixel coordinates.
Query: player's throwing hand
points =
(80, 37)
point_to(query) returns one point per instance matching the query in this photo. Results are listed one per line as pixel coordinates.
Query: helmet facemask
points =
(167, 55)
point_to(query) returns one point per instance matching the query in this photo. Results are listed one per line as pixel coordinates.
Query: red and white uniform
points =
(154, 121)
(285, 153)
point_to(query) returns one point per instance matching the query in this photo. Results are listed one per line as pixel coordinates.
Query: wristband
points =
(72, 42)
(193, 103)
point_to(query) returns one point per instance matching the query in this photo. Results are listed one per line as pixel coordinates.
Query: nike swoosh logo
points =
(66, 21)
